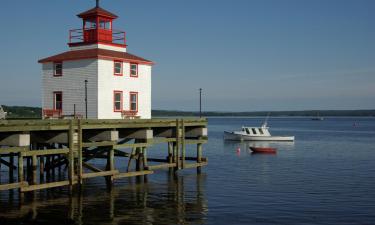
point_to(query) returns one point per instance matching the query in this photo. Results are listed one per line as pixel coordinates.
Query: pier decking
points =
(42, 147)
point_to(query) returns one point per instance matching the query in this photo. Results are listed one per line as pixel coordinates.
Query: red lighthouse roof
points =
(96, 54)
(95, 12)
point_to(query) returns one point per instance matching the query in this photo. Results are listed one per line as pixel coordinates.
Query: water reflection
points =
(178, 200)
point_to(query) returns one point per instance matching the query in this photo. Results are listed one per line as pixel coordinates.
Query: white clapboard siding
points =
(108, 83)
(72, 86)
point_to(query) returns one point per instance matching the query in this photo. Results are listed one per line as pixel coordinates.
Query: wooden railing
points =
(127, 114)
(51, 113)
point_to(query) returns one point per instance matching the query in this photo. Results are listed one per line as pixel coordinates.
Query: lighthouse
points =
(97, 77)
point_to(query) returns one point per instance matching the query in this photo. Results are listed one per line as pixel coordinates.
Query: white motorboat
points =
(255, 134)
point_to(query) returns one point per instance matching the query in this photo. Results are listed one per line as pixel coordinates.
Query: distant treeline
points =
(22, 112)
(36, 112)
(312, 113)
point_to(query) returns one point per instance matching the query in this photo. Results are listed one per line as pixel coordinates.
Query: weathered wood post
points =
(175, 154)
(138, 159)
(80, 156)
(144, 157)
(20, 167)
(48, 168)
(34, 168)
(110, 164)
(183, 147)
(11, 167)
(28, 169)
(170, 152)
(71, 154)
(145, 163)
(177, 146)
(111, 158)
(199, 157)
(131, 156)
(41, 168)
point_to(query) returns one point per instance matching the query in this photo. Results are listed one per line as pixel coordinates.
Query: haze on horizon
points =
(247, 55)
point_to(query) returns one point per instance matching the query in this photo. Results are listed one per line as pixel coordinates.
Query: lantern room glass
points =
(90, 24)
(105, 24)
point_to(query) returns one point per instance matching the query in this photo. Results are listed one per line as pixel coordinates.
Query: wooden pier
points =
(38, 150)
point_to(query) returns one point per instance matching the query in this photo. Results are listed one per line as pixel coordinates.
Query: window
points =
(117, 68)
(254, 131)
(247, 131)
(133, 70)
(57, 68)
(134, 101)
(117, 101)
(90, 24)
(57, 100)
(105, 24)
(260, 131)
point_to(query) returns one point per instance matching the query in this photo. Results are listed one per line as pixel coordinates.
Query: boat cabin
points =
(256, 131)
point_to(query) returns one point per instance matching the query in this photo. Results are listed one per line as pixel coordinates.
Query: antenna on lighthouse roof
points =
(97, 3)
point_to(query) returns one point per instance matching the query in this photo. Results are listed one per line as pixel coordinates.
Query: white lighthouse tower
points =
(97, 78)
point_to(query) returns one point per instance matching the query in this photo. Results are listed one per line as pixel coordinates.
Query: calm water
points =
(326, 177)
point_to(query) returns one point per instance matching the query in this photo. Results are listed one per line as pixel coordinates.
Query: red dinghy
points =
(264, 150)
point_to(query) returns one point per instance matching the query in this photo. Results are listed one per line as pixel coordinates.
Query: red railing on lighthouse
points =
(92, 36)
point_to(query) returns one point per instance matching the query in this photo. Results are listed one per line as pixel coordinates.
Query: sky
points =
(246, 55)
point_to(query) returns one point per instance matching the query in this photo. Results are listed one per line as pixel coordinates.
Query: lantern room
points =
(97, 28)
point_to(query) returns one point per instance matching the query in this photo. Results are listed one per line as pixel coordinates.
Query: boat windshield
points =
(261, 131)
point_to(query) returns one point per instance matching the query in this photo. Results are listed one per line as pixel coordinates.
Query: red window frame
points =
(136, 71)
(54, 69)
(114, 68)
(130, 101)
(54, 100)
(114, 101)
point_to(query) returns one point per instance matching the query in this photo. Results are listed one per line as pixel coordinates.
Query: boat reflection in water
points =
(180, 200)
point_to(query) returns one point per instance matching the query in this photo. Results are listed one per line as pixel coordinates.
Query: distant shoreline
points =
(305, 113)
(36, 112)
